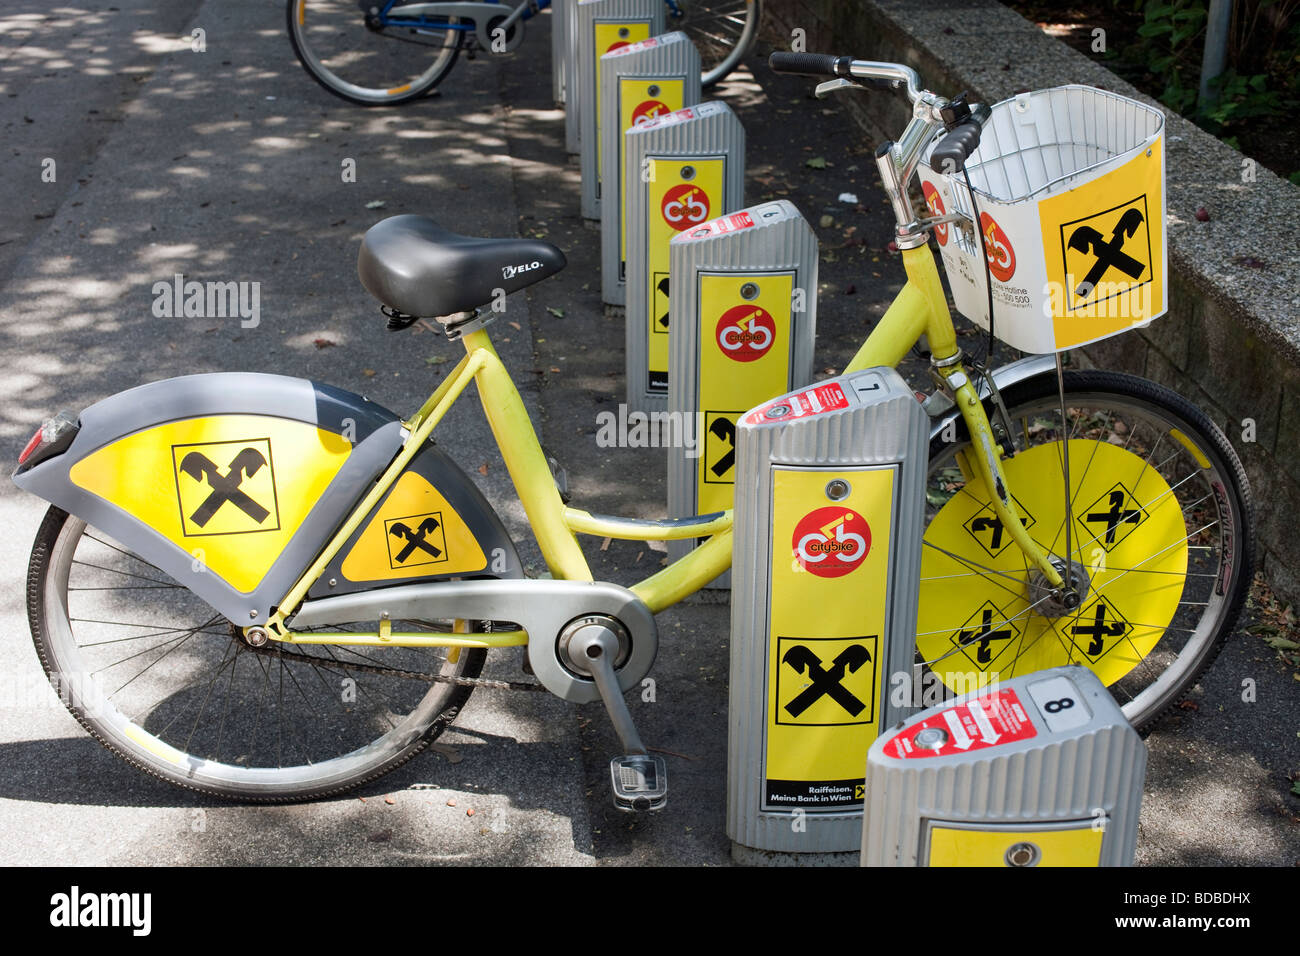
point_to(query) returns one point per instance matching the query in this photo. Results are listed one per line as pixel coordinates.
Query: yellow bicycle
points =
(271, 589)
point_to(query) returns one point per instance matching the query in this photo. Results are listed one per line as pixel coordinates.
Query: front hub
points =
(1058, 602)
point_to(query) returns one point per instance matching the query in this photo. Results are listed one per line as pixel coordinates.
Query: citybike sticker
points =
(743, 341)
(414, 532)
(640, 101)
(1002, 258)
(719, 226)
(745, 333)
(610, 36)
(935, 205)
(647, 110)
(231, 490)
(981, 722)
(825, 681)
(682, 192)
(979, 614)
(811, 401)
(831, 542)
(684, 205)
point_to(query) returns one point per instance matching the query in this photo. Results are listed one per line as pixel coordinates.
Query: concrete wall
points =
(1231, 339)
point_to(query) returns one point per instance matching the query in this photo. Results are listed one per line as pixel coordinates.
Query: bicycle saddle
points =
(413, 265)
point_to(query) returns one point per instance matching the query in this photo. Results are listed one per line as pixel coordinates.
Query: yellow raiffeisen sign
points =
(415, 532)
(682, 193)
(744, 354)
(613, 35)
(229, 489)
(641, 100)
(828, 603)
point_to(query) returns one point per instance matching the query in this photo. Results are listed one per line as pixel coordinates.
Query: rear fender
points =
(231, 483)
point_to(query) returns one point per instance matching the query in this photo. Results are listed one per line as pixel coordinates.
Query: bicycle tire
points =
(1183, 647)
(723, 31)
(149, 739)
(342, 35)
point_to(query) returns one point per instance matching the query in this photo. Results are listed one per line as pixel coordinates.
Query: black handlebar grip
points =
(810, 64)
(954, 149)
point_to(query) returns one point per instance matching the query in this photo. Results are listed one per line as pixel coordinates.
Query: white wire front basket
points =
(1069, 188)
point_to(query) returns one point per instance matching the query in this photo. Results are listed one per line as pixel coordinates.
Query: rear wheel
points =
(167, 684)
(368, 53)
(1161, 542)
(722, 30)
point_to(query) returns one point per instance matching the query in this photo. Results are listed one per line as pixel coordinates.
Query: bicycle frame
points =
(919, 309)
(412, 15)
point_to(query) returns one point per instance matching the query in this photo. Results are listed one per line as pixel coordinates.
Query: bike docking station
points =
(560, 48)
(830, 501)
(644, 80)
(597, 27)
(681, 169)
(744, 322)
(1042, 770)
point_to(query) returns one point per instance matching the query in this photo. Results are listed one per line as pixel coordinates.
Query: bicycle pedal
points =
(640, 782)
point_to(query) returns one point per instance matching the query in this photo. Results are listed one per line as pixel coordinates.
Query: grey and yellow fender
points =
(233, 483)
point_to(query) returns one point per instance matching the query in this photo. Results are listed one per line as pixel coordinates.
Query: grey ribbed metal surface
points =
(560, 39)
(708, 132)
(768, 241)
(629, 21)
(879, 429)
(1073, 781)
(655, 76)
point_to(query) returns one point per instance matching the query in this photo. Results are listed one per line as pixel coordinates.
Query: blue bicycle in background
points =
(384, 52)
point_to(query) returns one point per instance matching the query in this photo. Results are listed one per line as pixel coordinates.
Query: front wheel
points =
(167, 684)
(1161, 543)
(369, 53)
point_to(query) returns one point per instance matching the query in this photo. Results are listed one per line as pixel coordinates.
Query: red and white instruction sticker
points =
(989, 720)
(716, 227)
(811, 401)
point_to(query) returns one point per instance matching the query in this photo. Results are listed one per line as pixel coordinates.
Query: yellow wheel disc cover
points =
(975, 622)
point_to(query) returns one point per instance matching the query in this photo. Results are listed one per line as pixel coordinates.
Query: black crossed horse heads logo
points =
(416, 538)
(826, 681)
(1108, 252)
(225, 488)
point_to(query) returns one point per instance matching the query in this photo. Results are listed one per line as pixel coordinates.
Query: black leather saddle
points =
(413, 265)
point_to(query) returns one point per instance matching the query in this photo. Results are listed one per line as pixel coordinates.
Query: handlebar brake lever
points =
(828, 87)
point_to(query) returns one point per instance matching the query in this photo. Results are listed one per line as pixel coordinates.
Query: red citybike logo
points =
(745, 333)
(684, 206)
(935, 205)
(650, 109)
(617, 45)
(831, 542)
(1002, 258)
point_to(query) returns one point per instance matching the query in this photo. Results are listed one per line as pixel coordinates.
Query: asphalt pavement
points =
(225, 165)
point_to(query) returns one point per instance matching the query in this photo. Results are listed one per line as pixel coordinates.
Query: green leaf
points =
(442, 360)
(558, 313)
(1281, 644)
(817, 162)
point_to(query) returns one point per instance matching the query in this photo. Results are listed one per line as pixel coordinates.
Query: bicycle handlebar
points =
(879, 74)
